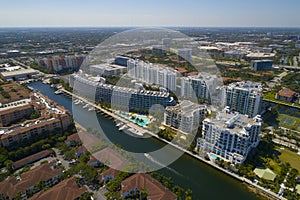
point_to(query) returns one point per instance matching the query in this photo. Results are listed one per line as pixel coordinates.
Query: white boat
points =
(76, 102)
(85, 106)
(134, 132)
(58, 92)
(92, 108)
(119, 124)
(122, 127)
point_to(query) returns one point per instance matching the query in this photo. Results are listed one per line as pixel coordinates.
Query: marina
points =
(193, 177)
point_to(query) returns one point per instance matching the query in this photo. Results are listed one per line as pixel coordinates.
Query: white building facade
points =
(230, 136)
(151, 74)
(185, 117)
(243, 97)
(200, 86)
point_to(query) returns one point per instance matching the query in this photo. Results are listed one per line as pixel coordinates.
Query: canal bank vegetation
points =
(268, 156)
(65, 85)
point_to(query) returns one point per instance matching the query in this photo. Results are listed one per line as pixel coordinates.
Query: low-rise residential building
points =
(12, 114)
(30, 182)
(133, 186)
(243, 97)
(73, 140)
(108, 175)
(65, 190)
(52, 118)
(230, 136)
(185, 117)
(286, 94)
(31, 159)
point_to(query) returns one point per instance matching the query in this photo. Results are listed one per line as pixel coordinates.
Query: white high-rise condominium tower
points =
(151, 74)
(243, 97)
(200, 86)
(230, 136)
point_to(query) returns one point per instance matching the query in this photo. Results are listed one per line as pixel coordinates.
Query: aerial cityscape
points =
(155, 100)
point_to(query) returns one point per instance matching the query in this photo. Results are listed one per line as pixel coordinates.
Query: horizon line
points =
(147, 26)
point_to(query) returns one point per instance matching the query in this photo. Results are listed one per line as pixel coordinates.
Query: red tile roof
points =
(286, 92)
(11, 187)
(73, 137)
(33, 158)
(65, 190)
(155, 190)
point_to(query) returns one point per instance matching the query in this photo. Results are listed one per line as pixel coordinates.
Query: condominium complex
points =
(151, 74)
(59, 63)
(21, 187)
(185, 117)
(243, 97)
(199, 86)
(124, 98)
(230, 136)
(22, 109)
(51, 117)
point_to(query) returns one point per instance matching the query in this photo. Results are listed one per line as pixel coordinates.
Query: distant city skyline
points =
(214, 13)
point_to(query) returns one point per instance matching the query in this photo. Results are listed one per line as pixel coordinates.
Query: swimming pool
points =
(138, 119)
(213, 156)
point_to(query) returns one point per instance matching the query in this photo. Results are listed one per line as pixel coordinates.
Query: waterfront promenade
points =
(144, 131)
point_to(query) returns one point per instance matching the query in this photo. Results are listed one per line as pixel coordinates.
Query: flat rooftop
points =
(19, 71)
(234, 121)
(246, 85)
(186, 107)
(15, 91)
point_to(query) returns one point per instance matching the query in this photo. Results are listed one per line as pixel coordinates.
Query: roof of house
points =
(30, 159)
(266, 174)
(286, 92)
(181, 70)
(81, 149)
(65, 190)
(155, 190)
(109, 172)
(12, 186)
(73, 137)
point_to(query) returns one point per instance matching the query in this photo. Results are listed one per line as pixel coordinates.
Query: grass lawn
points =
(271, 96)
(290, 157)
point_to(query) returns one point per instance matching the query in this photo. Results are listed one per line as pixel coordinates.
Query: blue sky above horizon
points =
(232, 13)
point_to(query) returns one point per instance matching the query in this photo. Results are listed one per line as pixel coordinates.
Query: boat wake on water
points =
(147, 155)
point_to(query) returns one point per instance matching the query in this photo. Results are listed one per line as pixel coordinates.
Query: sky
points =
(203, 13)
